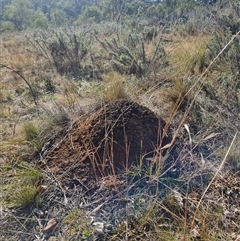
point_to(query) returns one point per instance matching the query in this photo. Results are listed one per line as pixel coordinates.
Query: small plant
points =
(24, 196)
(31, 132)
(78, 224)
(20, 184)
(32, 136)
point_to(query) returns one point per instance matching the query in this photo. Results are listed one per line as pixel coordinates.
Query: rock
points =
(41, 188)
(98, 229)
(38, 212)
(51, 225)
(238, 238)
(52, 239)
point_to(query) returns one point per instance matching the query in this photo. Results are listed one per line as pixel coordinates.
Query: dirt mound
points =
(109, 141)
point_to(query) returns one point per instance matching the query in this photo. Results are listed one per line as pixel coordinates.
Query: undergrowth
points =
(191, 192)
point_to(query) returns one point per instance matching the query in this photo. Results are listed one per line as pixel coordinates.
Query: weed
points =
(24, 196)
(31, 132)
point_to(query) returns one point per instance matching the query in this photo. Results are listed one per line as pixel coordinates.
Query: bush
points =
(92, 14)
(129, 55)
(39, 20)
(229, 17)
(66, 52)
(6, 26)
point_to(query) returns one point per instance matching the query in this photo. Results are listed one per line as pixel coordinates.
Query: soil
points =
(109, 141)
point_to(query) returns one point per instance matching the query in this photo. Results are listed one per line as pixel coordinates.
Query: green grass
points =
(78, 224)
(19, 182)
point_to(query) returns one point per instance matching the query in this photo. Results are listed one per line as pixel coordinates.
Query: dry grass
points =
(187, 56)
(114, 87)
(183, 214)
(15, 53)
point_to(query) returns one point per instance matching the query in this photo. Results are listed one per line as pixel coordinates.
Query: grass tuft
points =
(19, 182)
(114, 87)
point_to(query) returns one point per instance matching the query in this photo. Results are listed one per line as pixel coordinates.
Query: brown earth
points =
(111, 140)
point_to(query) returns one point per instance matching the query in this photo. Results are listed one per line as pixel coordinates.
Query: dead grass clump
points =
(187, 57)
(114, 87)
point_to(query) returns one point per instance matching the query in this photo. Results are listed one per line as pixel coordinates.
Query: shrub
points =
(229, 17)
(129, 55)
(66, 52)
(92, 13)
(6, 26)
(229, 60)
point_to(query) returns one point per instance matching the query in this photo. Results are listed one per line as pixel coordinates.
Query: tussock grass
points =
(19, 182)
(188, 56)
(114, 87)
(15, 54)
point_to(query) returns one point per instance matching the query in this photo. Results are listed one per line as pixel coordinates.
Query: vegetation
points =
(61, 60)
